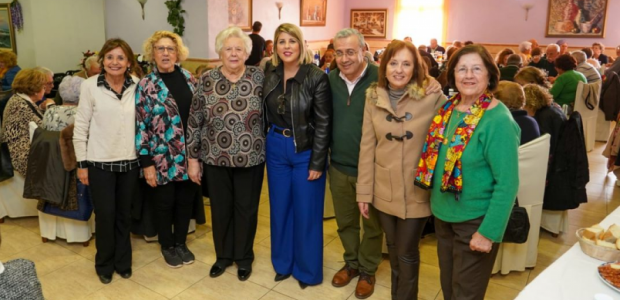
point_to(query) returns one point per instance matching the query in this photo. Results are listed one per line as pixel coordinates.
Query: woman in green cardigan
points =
(564, 89)
(470, 164)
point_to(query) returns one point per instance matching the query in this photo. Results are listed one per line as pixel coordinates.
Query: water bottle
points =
(327, 68)
(317, 58)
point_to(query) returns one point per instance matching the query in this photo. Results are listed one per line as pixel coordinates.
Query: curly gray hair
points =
(69, 89)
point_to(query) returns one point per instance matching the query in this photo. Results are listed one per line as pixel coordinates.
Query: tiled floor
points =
(67, 270)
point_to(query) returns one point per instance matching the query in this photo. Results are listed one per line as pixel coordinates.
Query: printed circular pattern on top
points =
(245, 142)
(211, 99)
(258, 145)
(223, 161)
(220, 109)
(240, 160)
(207, 86)
(255, 103)
(258, 77)
(252, 120)
(224, 139)
(222, 87)
(230, 120)
(239, 104)
(245, 88)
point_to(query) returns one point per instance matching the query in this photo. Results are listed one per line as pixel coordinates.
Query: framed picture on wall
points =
(576, 18)
(7, 33)
(370, 22)
(312, 12)
(240, 14)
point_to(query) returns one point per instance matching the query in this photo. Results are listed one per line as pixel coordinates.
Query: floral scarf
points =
(452, 179)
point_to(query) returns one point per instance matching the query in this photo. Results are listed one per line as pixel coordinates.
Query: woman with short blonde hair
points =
(8, 68)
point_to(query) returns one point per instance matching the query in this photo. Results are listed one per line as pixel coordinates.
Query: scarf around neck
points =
(452, 179)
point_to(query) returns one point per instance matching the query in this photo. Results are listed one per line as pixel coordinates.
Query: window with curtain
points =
(422, 20)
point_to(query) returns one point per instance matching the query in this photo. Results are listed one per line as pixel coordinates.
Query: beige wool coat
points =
(387, 167)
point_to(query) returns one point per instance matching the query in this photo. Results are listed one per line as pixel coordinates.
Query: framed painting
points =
(370, 22)
(312, 12)
(7, 33)
(240, 14)
(576, 18)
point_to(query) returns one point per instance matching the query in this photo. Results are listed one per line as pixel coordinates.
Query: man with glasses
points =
(348, 85)
(49, 85)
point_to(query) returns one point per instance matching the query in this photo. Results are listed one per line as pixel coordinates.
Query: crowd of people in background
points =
(390, 129)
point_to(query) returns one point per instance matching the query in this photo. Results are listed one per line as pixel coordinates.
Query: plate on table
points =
(609, 273)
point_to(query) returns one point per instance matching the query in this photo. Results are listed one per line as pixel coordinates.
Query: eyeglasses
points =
(348, 53)
(162, 49)
(281, 105)
(49, 83)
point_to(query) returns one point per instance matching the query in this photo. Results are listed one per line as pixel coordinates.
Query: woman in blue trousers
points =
(298, 109)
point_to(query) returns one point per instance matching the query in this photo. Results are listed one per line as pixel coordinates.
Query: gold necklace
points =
(457, 121)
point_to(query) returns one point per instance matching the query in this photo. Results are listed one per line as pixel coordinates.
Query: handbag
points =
(518, 227)
(6, 167)
(85, 206)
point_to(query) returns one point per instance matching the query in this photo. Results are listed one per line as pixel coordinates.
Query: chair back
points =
(586, 103)
(533, 159)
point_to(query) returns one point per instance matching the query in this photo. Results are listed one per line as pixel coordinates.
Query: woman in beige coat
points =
(397, 116)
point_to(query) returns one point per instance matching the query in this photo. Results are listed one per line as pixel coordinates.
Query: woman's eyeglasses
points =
(281, 104)
(162, 49)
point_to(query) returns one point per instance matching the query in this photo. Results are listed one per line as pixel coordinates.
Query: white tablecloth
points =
(574, 276)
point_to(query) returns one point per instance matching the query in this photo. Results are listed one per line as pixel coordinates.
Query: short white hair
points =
(46, 71)
(579, 56)
(229, 32)
(556, 46)
(69, 89)
(524, 46)
(347, 32)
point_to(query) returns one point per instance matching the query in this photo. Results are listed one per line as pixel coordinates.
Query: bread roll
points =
(615, 266)
(606, 244)
(592, 233)
(618, 243)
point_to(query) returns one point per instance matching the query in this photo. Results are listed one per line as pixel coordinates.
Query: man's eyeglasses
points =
(162, 49)
(49, 83)
(348, 53)
(281, 104)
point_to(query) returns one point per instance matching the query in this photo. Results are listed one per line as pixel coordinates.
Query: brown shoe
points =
(344, 276)
(365, 286)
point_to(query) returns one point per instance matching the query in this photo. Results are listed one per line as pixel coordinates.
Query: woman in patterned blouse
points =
(226, 133)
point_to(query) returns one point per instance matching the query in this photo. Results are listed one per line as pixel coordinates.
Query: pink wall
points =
(389, 4)
(503, 22)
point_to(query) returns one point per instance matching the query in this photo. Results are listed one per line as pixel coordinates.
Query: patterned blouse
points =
(225, 126)
(57, 117)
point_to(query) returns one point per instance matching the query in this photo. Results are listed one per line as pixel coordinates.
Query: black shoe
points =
(172, 258)
(244, 273)
(186, 256)
(105, 279)
(126, 274)
(302, 285)
(217, 270)
(280, 277)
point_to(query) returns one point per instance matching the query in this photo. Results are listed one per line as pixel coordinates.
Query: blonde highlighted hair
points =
(511, 94)
(149, 45)
(29, 81)
(536, 97)
(295, 32)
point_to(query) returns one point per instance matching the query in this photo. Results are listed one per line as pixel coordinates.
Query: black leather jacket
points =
(311, 110)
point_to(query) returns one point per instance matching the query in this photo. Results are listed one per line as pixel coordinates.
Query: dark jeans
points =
(403, 242)
(235, 194)
(464, 274)
(173, 204)
(112, 194)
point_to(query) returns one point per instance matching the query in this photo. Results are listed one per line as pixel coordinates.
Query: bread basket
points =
(595, 251)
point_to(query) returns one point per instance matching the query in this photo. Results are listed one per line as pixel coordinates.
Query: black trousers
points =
(403, 242)
(464, 274)
(112, 194)
(173, 204)
(235, 193)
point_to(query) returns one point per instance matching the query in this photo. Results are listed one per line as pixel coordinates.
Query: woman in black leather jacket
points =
(298, 111)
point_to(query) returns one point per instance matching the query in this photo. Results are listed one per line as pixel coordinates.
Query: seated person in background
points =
(597, 53)
(328, 59)
(513, 96)
(408, 39)
(550, 118)
(434, 47)
(513, 64)
(467, 43)
(90, 67)
(594, 62)
(564, 89)
(534, 44)
(423, 54)
(201, 69)
(433, 71)
(8, 68)
(563, 46)
(546, 63)
(585, 68)
(525, 50)
(501, 58)
(367, 54)
(588, 52)
(457, 44)
(57, 117)
(49, 85)
(536, 55)
(268, 48)
(527, 75)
